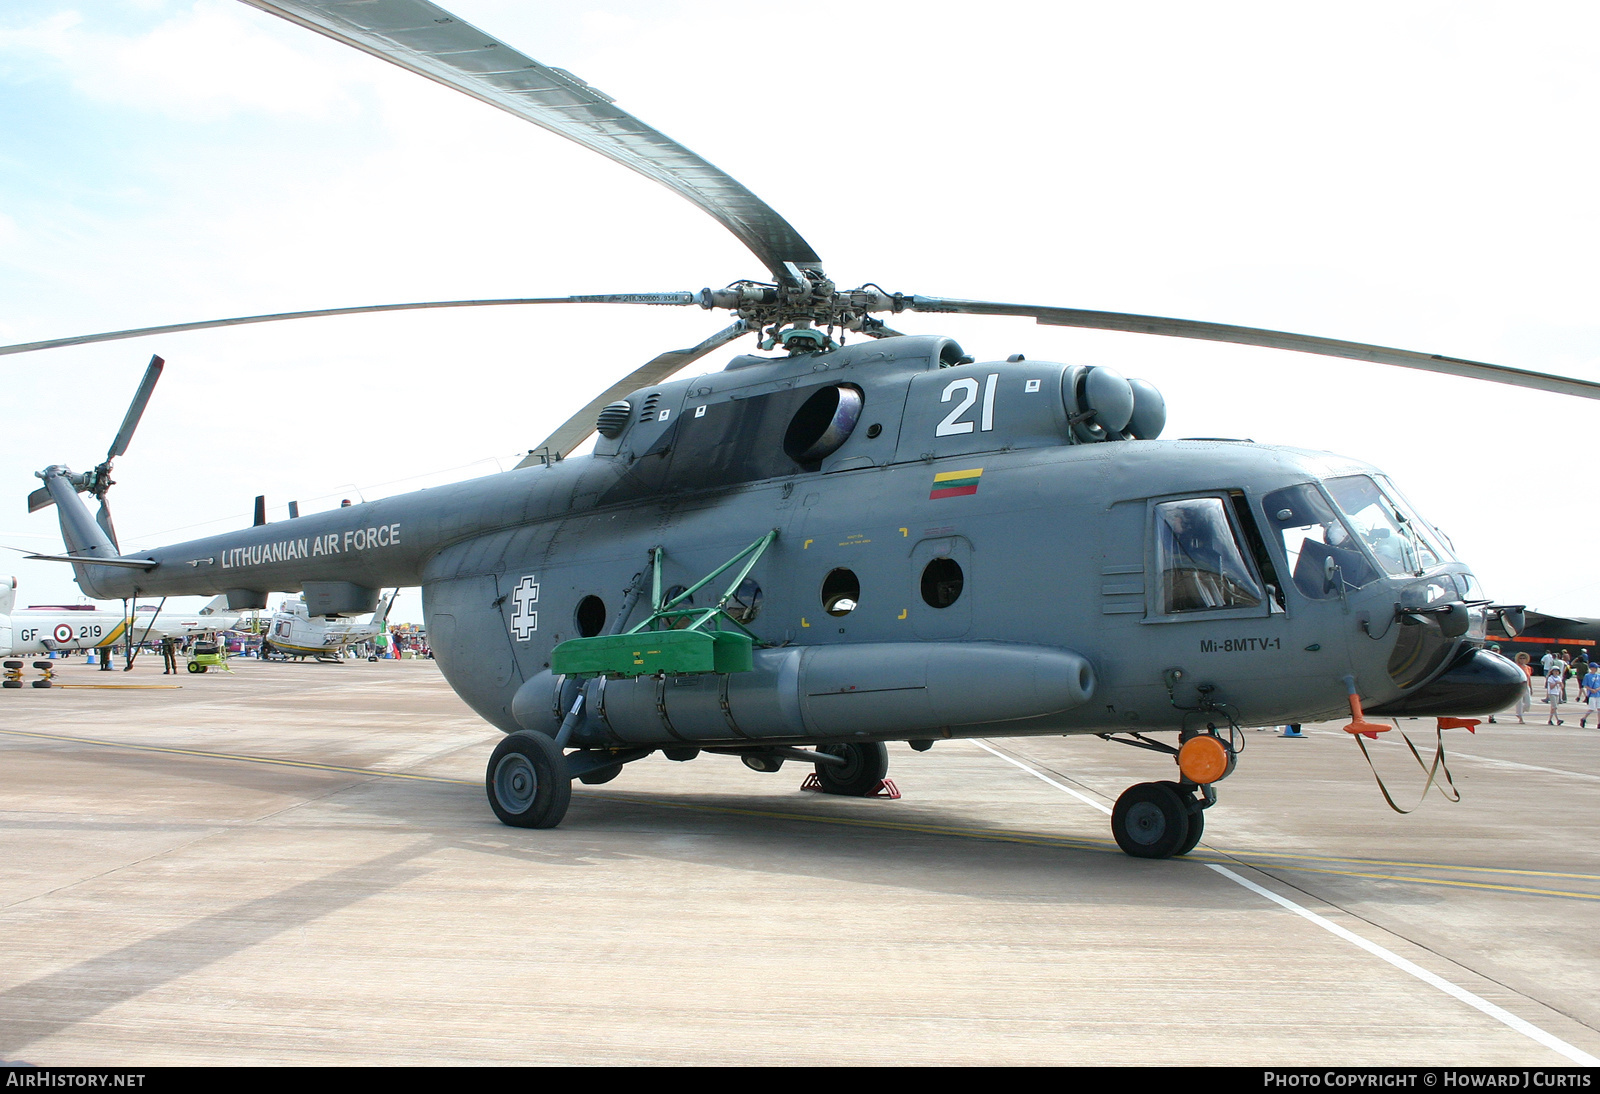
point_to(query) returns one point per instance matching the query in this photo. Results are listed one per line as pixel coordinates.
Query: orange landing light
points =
(1203, 759)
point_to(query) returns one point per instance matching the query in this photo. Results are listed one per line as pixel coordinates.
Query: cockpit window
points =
(1323, 557)
(1397, 541)
(1435, 535)
(1202, 567)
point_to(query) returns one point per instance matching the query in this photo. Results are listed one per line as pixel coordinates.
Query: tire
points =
(527, 781)
(196, 668)
(864, 768)
(10, 683)
(1197, 819)
(41, 683)
(1150, 821)
(13, 664)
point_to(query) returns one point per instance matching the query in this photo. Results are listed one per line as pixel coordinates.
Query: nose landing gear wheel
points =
(863, 769)
(1151, 820)
(1197, 818)
(527, 781)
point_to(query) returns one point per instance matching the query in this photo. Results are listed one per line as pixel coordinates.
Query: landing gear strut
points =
(1157, 820)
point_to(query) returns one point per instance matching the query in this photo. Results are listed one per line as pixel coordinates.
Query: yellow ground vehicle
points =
(204, 655)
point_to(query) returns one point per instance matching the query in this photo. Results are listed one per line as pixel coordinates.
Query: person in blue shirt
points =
(1590, 688)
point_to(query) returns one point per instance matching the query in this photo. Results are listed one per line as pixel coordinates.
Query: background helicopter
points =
(292, 632)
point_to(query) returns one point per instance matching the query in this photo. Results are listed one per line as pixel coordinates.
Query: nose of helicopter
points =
(1476, 682)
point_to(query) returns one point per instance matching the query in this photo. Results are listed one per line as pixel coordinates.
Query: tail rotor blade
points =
(130, 421)
(40, 499)
(103, 518)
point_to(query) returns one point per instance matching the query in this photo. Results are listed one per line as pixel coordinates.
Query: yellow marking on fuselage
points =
(275, 644)
(116, 633)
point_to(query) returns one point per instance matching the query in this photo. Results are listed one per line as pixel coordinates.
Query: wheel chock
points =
(885, 788)
(1469, 724)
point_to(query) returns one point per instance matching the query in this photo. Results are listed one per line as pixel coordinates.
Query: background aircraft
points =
(294, 632)
(35, 630)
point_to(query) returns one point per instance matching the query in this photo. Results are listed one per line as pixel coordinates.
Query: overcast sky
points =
(1420, 175)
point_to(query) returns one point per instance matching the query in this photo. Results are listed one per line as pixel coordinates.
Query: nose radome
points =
(1477, 682)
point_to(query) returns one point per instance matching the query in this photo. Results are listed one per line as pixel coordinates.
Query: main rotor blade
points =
(1272, 339)
(674, 298)
(130, 420)
(426, 39)
(570, 433)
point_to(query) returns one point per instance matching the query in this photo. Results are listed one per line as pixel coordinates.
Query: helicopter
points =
(817, 551)
(292, 632)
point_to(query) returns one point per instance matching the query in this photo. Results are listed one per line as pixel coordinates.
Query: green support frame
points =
(673, 640)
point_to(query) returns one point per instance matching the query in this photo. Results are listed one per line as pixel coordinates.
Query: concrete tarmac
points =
(295, 864)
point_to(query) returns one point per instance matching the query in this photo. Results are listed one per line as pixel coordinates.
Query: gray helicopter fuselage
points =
(974, 469)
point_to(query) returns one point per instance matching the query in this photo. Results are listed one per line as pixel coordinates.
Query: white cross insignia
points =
(524, 620)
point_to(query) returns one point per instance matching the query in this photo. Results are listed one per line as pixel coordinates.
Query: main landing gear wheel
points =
(1197, 818)
(527, 781)
(1151, 820)
(863, 769)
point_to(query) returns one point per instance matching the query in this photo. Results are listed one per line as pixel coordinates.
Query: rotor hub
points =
(801, 312)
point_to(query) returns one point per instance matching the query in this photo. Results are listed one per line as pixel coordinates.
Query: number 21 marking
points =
(952, 425)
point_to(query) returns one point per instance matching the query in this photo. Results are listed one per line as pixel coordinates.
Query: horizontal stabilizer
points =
(40, 499)
(128, 563)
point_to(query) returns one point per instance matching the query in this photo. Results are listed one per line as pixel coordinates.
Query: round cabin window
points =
(745, 603)
(590, 616)
(671, 595)
(941, 582)
(841, 591)
(823, 423)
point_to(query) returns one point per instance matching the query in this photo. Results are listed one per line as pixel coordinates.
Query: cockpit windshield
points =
(1434, 534)
(1397, 541)
(1324, 560)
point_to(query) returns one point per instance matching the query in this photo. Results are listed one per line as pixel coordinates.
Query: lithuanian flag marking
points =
(953, 484)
